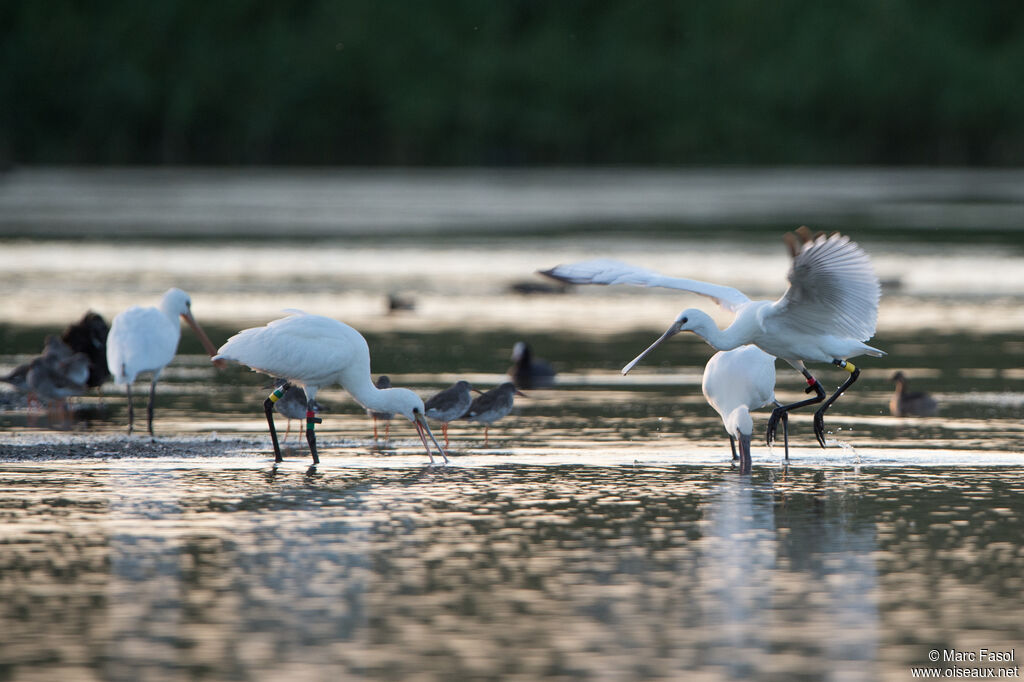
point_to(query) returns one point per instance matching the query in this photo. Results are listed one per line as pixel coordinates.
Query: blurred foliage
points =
(513, 82)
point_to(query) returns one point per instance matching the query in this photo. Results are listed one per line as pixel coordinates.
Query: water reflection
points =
(501, 571)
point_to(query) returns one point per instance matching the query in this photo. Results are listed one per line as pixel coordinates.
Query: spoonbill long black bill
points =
(313, 351)
(826, 315)
(145, 340)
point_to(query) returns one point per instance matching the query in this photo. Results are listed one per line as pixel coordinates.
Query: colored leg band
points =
(845, 364)
(276, 395)
(312, 419)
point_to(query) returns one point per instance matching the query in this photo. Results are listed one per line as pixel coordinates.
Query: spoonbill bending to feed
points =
(313, 351)
(826, 315)
(450, 404)
(383, 381)
(736, 382)
(491, 406)
(145, 340)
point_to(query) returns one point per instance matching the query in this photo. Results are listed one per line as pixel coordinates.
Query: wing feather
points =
(606, 271)
(309, 349)
(833, 289)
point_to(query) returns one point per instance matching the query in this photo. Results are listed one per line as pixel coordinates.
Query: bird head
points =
(520, 350)
(406, 403)
(177, 302)
(690, 320)
(739, 423)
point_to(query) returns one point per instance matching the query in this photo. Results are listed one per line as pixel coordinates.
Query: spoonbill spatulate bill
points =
(829, 310)
(735, 382)
(314, 351)
(145, 339)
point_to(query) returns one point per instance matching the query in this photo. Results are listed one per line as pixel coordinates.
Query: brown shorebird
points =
(906, 403)
(491, 406)
(89, 336)
(450, 404)
(293, 405)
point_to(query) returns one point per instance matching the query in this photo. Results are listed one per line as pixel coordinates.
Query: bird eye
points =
(683, 321)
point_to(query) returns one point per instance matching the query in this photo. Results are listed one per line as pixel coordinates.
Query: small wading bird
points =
(826, 315)
(528, 371)
(89, 336)
(491, 406)
(383, 381)
(906, 403)
(146, 340)
(313, 351)
(53, 376)
(449, 405)
(292, 404)
(736, 382)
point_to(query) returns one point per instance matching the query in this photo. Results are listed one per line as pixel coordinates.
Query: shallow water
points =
(600, 533)
(236, 570)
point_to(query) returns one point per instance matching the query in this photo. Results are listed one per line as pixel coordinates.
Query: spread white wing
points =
(605, 271)
(833, 289)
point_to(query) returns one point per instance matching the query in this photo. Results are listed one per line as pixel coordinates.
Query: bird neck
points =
(366, 394)
(721, 339)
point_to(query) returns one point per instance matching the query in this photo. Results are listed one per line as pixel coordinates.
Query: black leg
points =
(311, 420)
(149, 407)
(819, 422)
(131, 410)
(785, 433)
(819, 395)
(268, 408)
(732, 444)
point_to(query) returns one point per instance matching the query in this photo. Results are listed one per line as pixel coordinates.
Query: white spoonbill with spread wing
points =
(826, 315)
(145, 340)
(314, 351)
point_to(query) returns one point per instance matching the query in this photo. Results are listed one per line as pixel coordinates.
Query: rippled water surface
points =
(599, 532)
(229, 570)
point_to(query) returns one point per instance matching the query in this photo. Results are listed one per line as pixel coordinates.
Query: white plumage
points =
(314, 351)
(736, 382)
(146, 339)
(826, 315)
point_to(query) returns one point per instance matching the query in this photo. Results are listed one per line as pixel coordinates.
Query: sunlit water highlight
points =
(601, 533)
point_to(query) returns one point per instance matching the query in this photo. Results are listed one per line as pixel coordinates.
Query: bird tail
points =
(874, 352)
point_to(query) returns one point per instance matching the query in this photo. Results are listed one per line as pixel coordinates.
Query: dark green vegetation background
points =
(511, 82)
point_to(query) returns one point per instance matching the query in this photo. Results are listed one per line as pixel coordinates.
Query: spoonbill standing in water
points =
(736, 382)
(826, 315)
(146, 340)
(313, 351)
